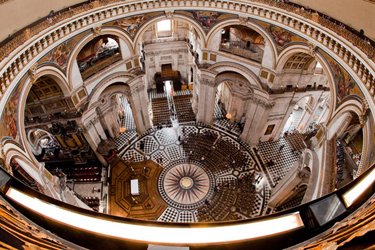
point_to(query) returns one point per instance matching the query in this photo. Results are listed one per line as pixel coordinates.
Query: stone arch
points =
(153, 21)
(117, 83)
(307, 95)
(288, 52)
(54, 73)
(344, 111)
(13, 151)
(115, 31)
(107, 82)
(62, 82)
(231, 79)
(267, 37)
(251, 77)
(291, 50)
(33, 142)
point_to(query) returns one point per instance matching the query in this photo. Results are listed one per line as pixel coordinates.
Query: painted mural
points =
(60, 55)
(8, 124)
(344, 83)
(281, 36)
(132, 24)
(207, 19)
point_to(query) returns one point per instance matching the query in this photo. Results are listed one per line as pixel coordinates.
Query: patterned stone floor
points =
(208, 175)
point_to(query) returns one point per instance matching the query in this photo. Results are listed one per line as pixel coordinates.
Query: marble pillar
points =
(139, 104)
(287, 188)
(289, 111)
(256, 118)
(206, 100)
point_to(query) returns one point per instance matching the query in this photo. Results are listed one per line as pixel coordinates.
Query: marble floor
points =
(208, 175)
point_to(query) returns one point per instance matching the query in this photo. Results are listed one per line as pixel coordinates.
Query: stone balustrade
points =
(19, 52)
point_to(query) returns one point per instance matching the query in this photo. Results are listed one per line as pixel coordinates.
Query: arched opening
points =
(99, 53)
(46, 102)
(300, 71)
(169, 49)
(300, 110)
(119, 119)
(242, 41)
(232, 94)
(349, 147)
(20, 173)
(41, 142)
(56, 138)
(302, 78)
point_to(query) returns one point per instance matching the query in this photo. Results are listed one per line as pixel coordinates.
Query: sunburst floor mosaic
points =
(207, 174)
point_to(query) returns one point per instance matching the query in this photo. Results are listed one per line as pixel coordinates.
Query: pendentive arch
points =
(32, 142)
(108, 30)
(48, 71)
(251, 77)
(352, 105)
(54, 73)
(13, 151)
(267, 37)
(154, 20)
(105, 83)
(292, 50)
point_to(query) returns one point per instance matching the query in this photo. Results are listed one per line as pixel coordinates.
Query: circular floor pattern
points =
(228, 163)
(185, 186)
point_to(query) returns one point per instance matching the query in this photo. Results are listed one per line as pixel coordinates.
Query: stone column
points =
(139, 104)
(93, 138)
(298, 175)
(304, 121)
(338, 127)
(206, 101)
(194, 103)
(76, 76)
(285, 119)
(268, 58)
(105, 124)
(111, 122)
(256, 118)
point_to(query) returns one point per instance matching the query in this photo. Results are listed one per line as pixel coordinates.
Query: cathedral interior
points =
(187, 124)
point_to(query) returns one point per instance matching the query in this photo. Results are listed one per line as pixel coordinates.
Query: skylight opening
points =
(164, 25)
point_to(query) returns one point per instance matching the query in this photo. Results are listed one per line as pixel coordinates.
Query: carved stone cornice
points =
(312, 49)
(243, 19)
(262, 101)
(170, 51)
(207, 81)
(169, 14)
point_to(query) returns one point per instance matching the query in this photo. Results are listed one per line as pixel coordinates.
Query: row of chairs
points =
(183, 107)
(160, 110)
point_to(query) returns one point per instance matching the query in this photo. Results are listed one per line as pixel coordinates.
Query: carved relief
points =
(169, 14)
(365, 111)
(32, 73)
(97, 30)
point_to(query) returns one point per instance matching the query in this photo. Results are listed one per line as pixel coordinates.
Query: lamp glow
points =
(352, 194)
(162, 233)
